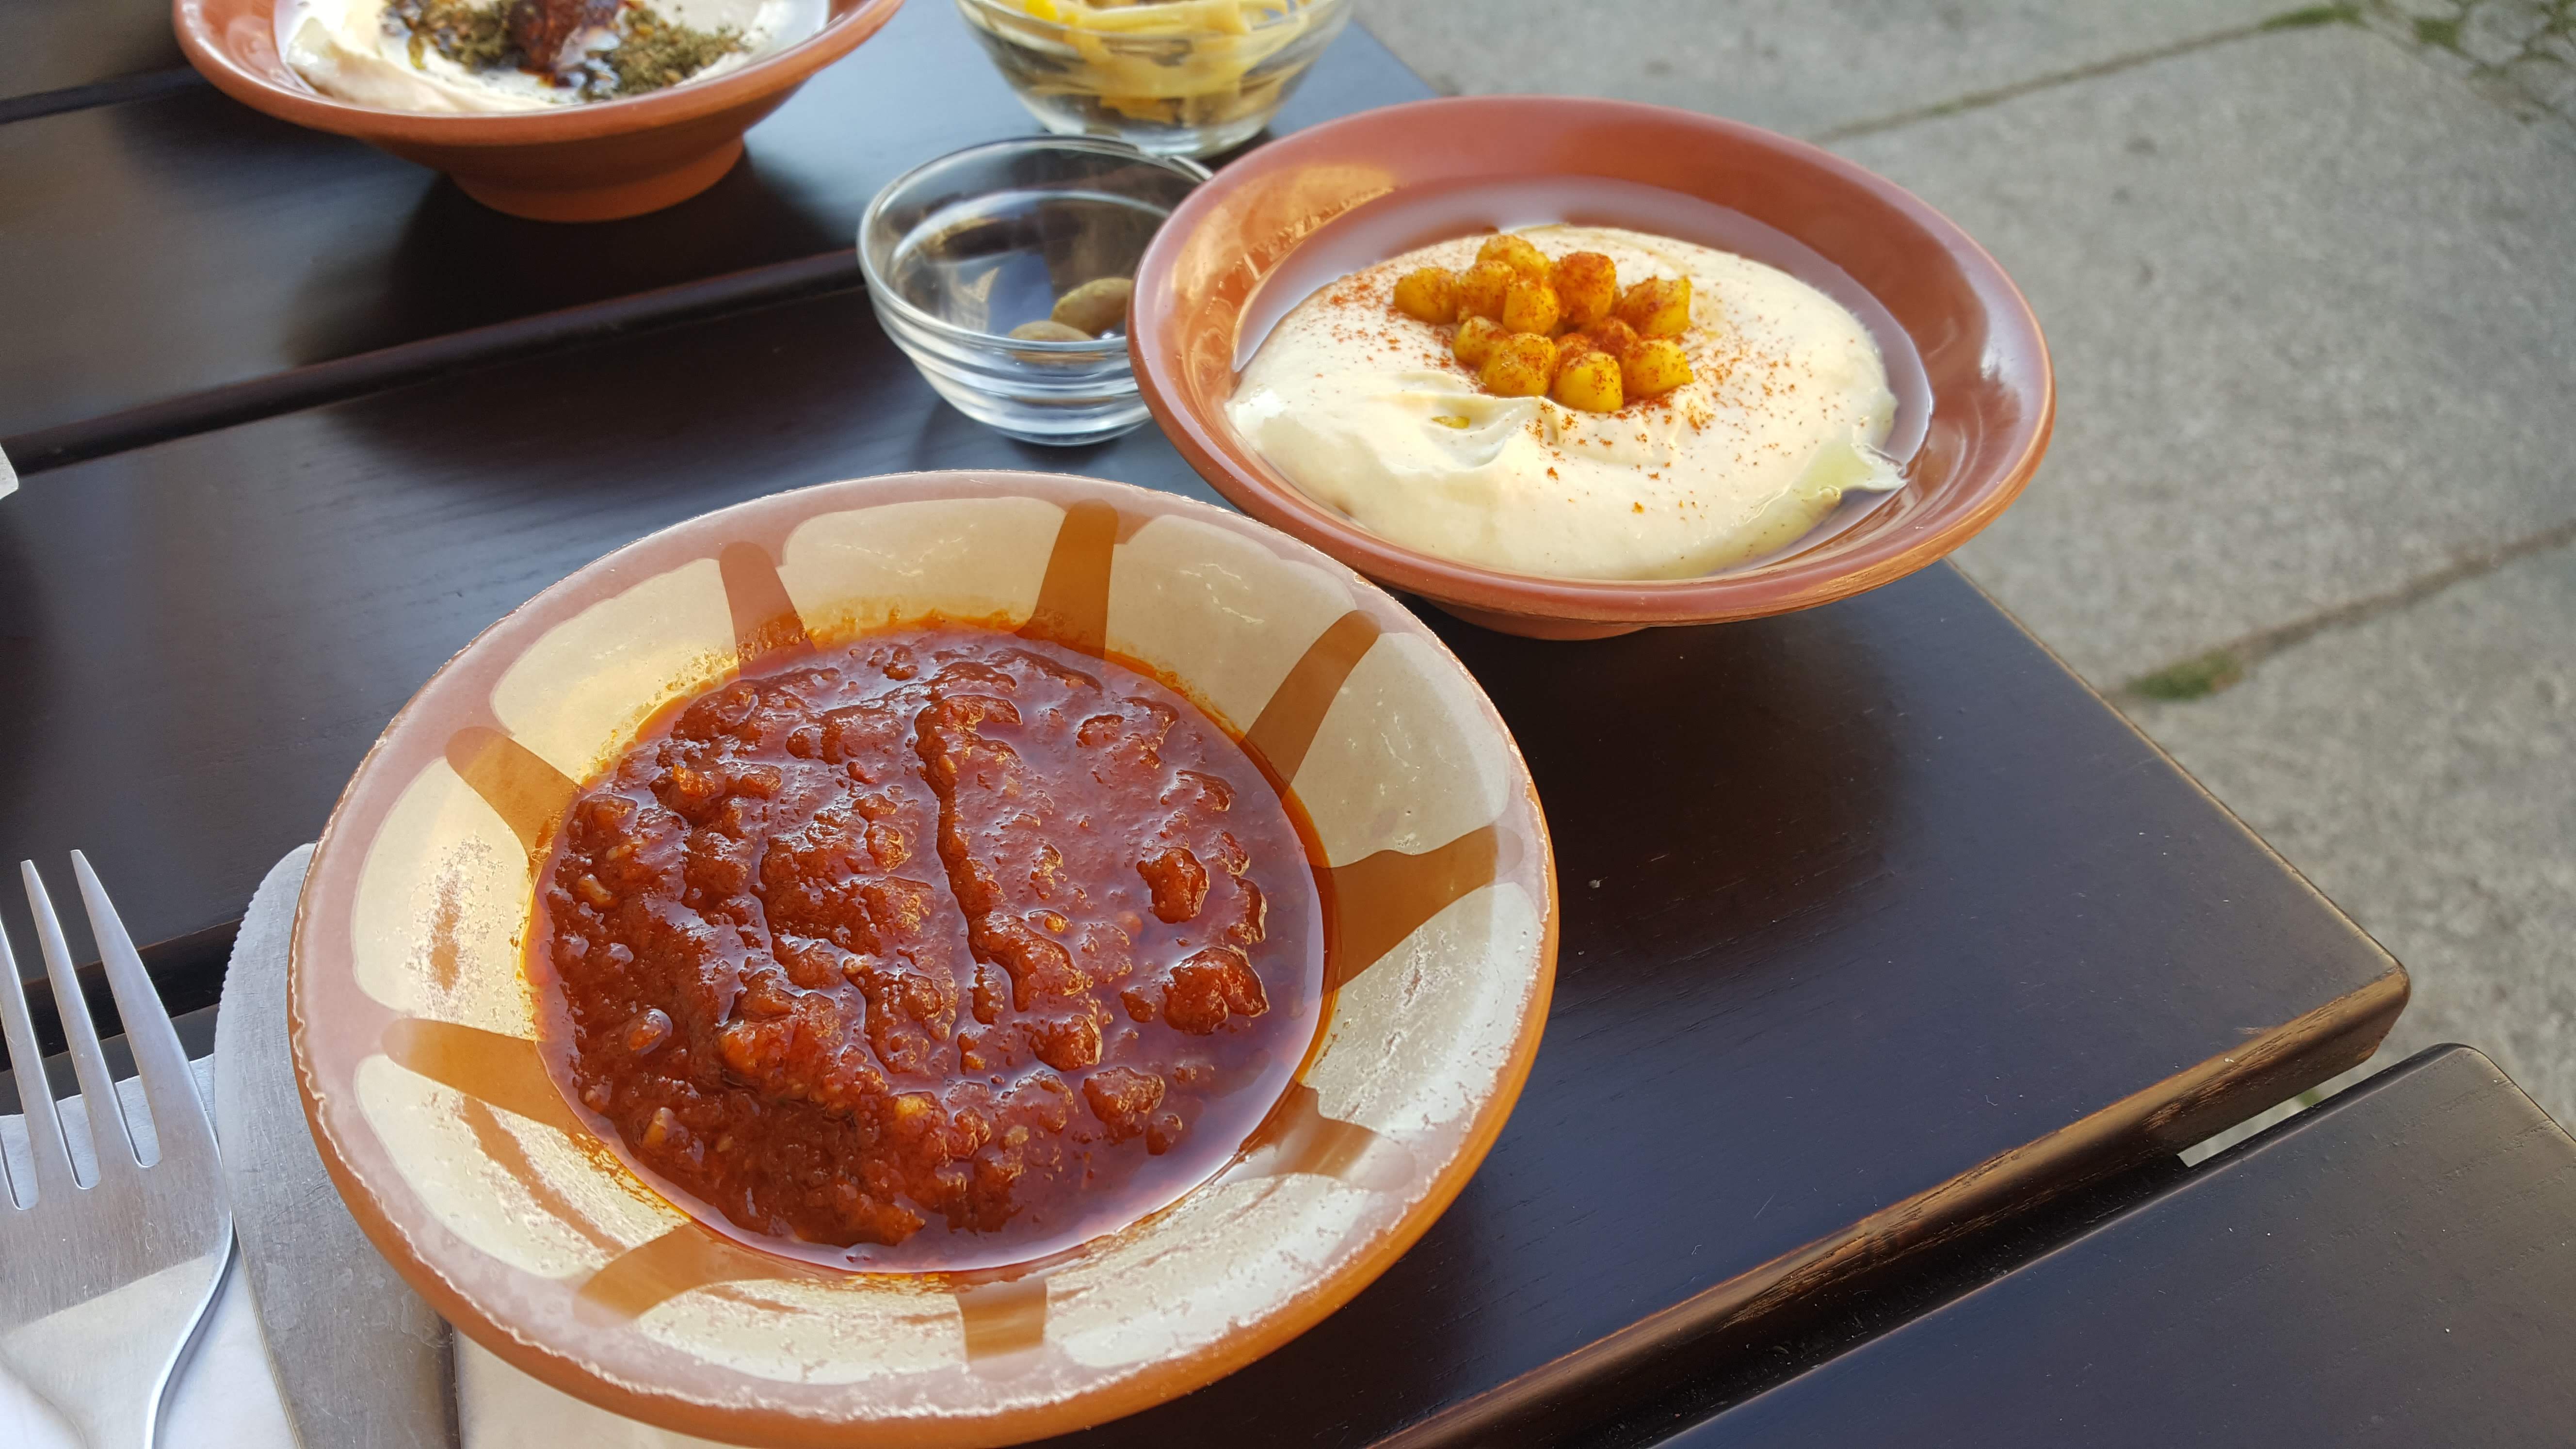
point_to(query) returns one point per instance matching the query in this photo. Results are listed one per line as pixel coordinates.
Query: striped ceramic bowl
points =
(414, 1022)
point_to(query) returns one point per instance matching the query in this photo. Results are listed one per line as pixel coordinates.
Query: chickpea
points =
(1519, 366)
(1571, 346)
(1591, 383)
(1517, 254)
(1481, 289)
(1428, 295)
(1613, 336)
(1530, 307)
(1656, 367)
(1657, 307)
(1476, 339)
(1047, 329)
(1588, 284)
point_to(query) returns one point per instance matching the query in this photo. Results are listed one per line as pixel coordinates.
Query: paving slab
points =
(2521, 53)
(1803, 66)
(2420, 768)
(2312, 303)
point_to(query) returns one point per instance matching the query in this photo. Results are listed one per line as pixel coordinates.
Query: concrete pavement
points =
(2309, 279)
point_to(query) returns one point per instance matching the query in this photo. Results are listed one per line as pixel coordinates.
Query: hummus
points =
(1366, 410)
(351, 50)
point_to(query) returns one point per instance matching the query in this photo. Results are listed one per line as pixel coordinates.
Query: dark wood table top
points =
(2396, 1267)
(64, 54)
(1879, 928)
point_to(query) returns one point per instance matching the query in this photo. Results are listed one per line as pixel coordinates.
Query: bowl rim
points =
(886, 298)
(760, 78)
(1785, 584)
(1167, 1378)
(1296, 10)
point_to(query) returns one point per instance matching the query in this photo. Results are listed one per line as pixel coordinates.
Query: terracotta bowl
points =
(592, 162)
(1280, 223)
(413, 1020)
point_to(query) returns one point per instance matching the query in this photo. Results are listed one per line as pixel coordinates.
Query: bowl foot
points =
(609, 202)
(1528, 626)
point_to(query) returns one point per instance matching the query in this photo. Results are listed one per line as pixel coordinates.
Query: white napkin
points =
(226, 1398)
(8, 476)
(223, 1408)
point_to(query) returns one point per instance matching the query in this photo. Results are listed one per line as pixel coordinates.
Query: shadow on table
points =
(1770, 739)
(697, 416)
(23, 659)
(460, 264)
(947, 438)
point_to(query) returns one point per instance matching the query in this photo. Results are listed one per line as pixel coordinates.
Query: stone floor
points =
(2309, 280)
(2520, 52)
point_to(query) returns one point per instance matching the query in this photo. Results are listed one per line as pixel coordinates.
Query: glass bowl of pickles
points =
(1172, 77)
(1004, 272)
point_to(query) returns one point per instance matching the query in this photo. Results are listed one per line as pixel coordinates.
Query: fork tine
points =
(107, 1130)
(179, 1118)
(35, 1095)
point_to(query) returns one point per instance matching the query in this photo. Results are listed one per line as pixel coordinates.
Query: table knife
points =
(360, 1360)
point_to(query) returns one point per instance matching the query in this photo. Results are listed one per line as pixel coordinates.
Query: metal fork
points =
(102, 1284)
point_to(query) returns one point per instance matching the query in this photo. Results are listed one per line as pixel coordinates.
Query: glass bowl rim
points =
(1294, 10)
(884, 295)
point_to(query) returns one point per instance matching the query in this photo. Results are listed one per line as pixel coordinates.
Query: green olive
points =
(1096, 307)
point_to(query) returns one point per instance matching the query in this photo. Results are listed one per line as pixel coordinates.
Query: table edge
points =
(2187, 1107)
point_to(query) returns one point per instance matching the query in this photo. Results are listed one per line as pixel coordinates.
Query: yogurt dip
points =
(355, 50)
(1366, 410)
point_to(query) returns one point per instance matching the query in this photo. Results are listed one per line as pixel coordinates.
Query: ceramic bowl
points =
(413, 1021)
(591, 162)
(1301, 212)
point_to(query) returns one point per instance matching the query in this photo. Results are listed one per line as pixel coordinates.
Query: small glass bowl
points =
(1173, 77)
(961, 250)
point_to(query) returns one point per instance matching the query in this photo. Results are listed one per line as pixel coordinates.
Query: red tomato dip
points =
(942, 949)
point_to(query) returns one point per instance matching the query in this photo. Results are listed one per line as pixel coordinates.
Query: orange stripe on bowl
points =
(1003, 1318)
(765, 620)
(1286, 729)
(502, 1070)
(1298, 1138)
(514, 780)
(1073, 600)
(683, 1260)
(1380, 900)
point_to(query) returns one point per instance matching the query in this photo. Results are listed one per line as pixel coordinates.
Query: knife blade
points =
(360, 1360)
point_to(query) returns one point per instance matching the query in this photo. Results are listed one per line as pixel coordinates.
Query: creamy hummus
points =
(1365, 409)
(351, 51)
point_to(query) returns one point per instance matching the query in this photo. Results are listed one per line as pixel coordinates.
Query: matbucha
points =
(944, 932)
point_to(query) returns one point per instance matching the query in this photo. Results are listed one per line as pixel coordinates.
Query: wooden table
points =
(1881, 931)
(2395, 1268)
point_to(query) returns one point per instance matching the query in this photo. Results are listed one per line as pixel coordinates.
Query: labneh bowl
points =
(1298, 214)
(592, 162)
(414, 1029)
